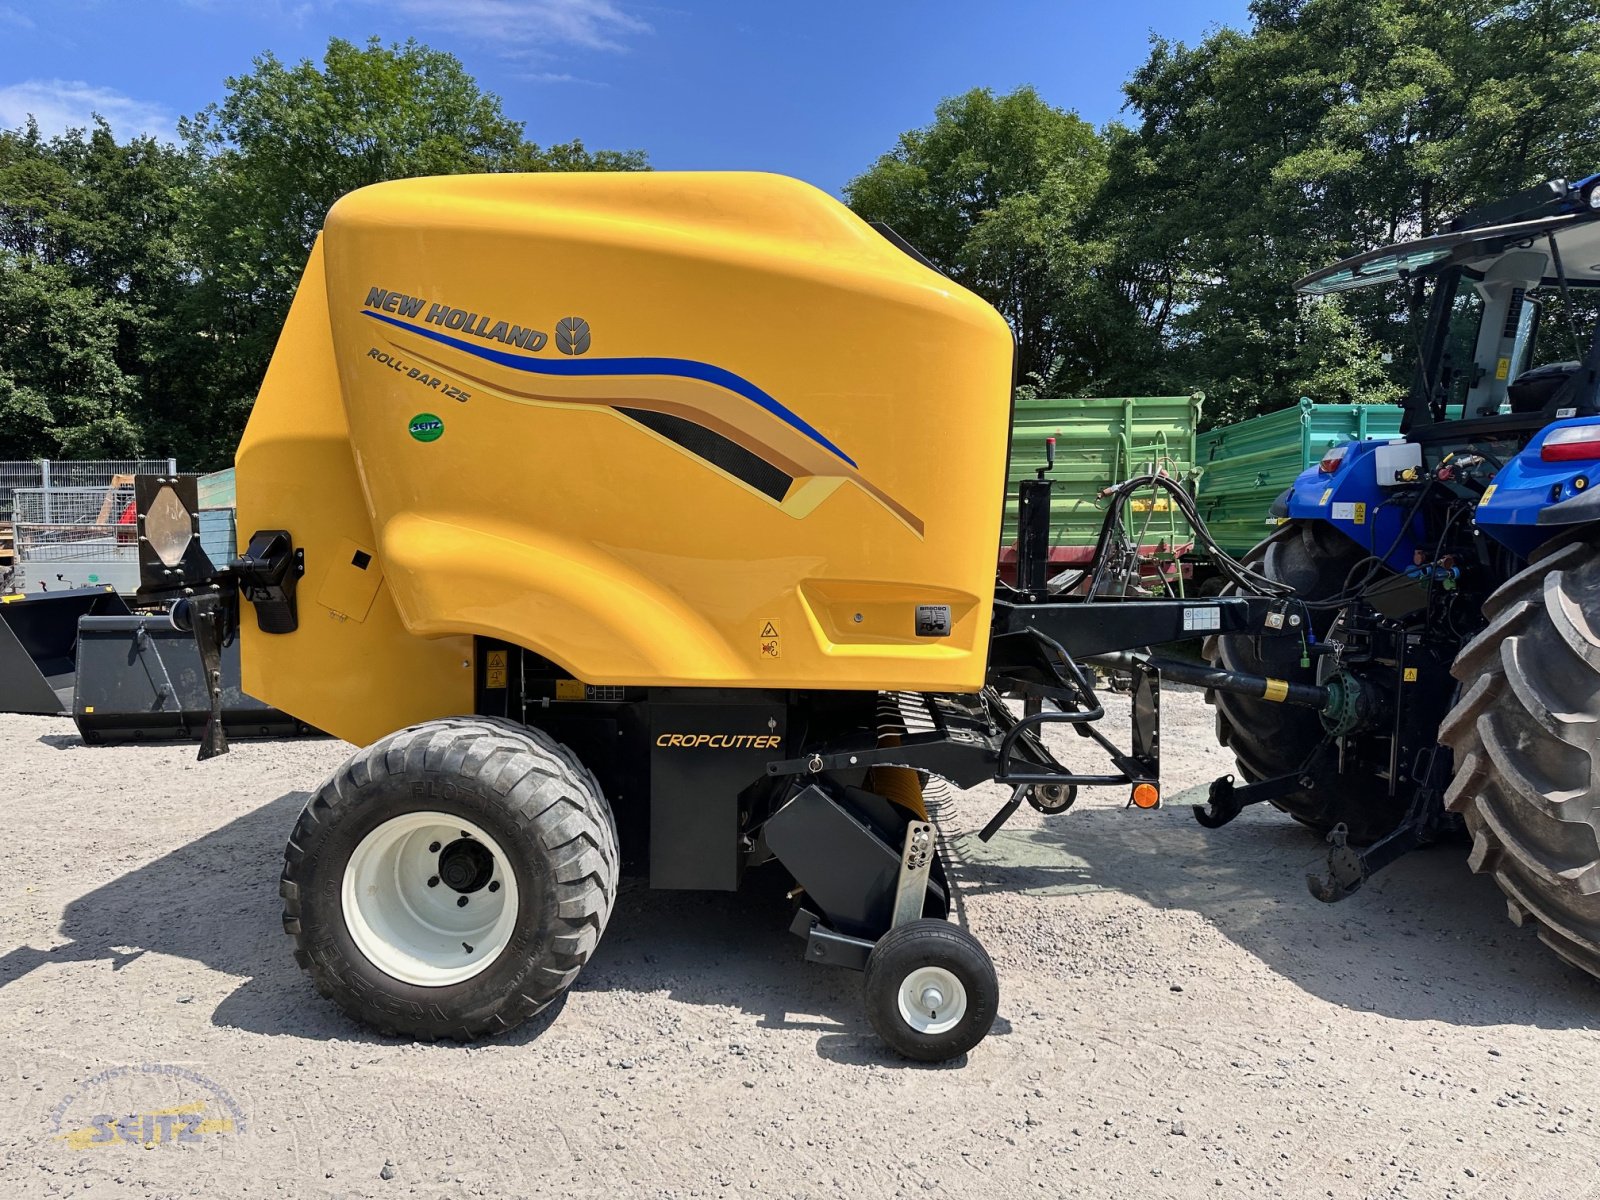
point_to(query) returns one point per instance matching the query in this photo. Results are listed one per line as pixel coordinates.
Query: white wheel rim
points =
(418, 933)
(932, 1000)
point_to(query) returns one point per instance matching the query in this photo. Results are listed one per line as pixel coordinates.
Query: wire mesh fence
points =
(75, 524)
(91, 473)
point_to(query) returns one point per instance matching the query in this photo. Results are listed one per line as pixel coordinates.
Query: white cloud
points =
(60, 104)
(528, 24)
(559, 77)
(10, 16)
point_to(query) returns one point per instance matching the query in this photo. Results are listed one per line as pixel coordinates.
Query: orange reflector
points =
(1146, 795)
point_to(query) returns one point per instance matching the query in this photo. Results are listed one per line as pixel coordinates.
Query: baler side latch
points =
(268, 573)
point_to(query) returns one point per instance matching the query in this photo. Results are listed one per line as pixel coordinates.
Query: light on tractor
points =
(1331, 460)
(1575, 443)
(1146, 795)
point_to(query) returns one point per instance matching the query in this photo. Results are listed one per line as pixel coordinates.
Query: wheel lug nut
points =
(433, 847)
(433, 881)
(461, 902)
(494, 885)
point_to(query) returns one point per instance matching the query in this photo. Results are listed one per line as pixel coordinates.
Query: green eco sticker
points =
(426, 427)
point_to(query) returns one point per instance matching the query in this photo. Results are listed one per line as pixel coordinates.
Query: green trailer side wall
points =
(1100, 441)
(1246, 466)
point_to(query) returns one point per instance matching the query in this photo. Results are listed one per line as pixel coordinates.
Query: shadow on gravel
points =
(1424, 940)
(61, 741)
(734, 950)
(215, 901)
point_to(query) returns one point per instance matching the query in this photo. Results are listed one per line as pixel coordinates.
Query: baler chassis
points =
(840, 805)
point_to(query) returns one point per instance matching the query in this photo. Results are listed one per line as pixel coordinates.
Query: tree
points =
(288, 141)
(997, 192)
(1330, 127)
(92, 263)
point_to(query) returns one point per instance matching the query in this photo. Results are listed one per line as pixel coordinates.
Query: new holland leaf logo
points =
(572, 335)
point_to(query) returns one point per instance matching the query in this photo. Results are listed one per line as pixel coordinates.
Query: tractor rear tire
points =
(1270, 739)
(451, 879)
(1523, 733)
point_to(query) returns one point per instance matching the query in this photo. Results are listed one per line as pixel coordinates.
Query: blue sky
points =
(814, 90)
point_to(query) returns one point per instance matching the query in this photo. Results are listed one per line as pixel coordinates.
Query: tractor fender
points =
(1349, 500)
(1530, 498)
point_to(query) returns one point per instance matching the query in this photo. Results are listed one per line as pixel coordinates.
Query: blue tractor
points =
(1451, 581)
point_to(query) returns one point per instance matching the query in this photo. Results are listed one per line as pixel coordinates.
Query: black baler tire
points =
(923, 943)
(1522, 733)
(522, 787)
(1270, 739)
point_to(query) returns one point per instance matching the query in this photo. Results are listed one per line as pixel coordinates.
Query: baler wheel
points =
(1523, 733)
(931, 991)
(451, 879)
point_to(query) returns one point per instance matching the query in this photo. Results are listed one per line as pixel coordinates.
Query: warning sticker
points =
(1199, 619)
(769, 639)
(569, 689)
(494, 673)
(1410, 675)
(1488, 492)
(1502, 368)
(1350, 512)
(1327, 494)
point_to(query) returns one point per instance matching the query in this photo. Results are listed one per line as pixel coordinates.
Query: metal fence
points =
(75, 524)
(93, 473)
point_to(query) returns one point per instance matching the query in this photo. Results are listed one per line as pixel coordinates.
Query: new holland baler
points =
(653, 520)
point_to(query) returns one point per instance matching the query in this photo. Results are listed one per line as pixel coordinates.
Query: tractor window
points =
(1458, 369)
(1528, 322)
(1555, 340)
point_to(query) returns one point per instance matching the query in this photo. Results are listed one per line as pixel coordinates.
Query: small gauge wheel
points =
(931, 992)
(1053, 797)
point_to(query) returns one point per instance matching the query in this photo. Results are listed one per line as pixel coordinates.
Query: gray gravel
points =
(1178, 1018)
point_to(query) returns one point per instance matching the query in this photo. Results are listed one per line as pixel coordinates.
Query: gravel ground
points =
(1178, 1018)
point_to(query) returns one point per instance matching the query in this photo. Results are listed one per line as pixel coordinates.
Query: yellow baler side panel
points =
(553, 499)
(357, 677)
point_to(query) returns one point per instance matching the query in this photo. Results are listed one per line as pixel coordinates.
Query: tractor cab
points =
(1485, 354)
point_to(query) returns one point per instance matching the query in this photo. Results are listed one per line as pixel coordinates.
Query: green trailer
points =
(1101, 441)
(1246, 466)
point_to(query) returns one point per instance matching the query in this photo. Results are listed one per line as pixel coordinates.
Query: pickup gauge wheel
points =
(931, 991)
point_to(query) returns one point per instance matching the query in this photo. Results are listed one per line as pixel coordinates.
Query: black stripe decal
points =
(717, 450)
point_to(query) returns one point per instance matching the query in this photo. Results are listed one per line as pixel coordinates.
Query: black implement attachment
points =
(1228, 799)
(1349, 867)
(39, 645)
(140, 679)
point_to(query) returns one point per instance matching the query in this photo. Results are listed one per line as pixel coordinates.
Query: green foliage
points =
(92, 256)
(143, 285)
(1159, 256)
(998, 192)
(1334, 125)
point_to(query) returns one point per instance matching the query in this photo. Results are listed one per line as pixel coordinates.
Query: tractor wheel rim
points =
(932, 1000)
(420, 923)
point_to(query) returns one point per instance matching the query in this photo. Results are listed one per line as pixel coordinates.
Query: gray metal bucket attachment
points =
(39, 645)
(139, 679)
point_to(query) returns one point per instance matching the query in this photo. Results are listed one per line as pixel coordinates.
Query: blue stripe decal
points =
(685, 368)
